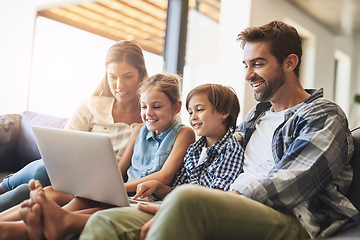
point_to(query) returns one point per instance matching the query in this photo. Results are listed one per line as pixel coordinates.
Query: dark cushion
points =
(9, 133)
(27, 149)
(354, 192)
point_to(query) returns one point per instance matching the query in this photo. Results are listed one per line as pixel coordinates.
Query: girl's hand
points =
(146, 188)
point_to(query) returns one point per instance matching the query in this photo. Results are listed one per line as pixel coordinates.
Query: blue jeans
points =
(13, 193)
(14, 197)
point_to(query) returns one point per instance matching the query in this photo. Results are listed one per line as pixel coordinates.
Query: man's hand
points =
(234, 192)
(149, 209)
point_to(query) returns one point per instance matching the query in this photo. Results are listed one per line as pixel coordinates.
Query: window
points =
(67, 65)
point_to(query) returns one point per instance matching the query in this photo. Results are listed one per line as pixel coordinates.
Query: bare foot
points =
(30, 213)
(55, 224)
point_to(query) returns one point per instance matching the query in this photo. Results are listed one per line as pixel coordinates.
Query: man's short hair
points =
(283, 40)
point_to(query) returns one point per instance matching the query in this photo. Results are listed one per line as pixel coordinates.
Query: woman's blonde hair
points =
(166, 83)
(127, 51)
(223, 99)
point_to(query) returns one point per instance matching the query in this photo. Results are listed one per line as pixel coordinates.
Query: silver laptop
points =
(82, 164)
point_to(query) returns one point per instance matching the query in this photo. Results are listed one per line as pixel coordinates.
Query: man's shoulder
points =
(320, 107)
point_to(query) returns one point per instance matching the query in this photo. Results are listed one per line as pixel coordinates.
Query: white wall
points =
(16, 30)
(320, 46)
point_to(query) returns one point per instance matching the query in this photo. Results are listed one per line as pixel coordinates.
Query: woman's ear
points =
(290, 63)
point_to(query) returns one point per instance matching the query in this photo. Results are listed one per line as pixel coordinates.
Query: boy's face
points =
(263, 72)
(205, 120)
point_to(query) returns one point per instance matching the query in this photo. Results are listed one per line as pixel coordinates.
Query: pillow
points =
(9, 133)
(27, 149)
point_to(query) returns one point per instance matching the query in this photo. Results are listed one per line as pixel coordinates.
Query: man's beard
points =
(271, 87)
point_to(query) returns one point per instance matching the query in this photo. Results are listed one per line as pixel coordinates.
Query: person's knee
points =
(186, 197)
(96, 223)
(41, 174)
(115, 223)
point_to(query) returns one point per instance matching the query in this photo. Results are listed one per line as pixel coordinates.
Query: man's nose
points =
(250, 74)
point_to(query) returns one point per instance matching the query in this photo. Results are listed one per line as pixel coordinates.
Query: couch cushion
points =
(354, 192)
(9, 133)
(27, 149)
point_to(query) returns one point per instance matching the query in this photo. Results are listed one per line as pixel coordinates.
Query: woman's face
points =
(124, 81)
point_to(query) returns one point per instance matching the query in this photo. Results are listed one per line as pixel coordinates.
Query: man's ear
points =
(290, 63)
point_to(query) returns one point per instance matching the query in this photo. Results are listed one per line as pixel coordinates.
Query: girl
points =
(155, 151)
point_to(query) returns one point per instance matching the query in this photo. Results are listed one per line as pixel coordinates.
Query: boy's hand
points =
(146, 188)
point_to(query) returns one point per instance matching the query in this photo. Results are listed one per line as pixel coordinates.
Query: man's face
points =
(264, 73)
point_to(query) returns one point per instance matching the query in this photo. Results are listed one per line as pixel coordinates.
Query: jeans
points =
(15, 185)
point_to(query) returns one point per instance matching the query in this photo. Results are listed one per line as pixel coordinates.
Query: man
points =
(296, 172)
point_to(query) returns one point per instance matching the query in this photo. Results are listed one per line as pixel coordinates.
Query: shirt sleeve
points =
(316, 149)
(80, 120)
(181, 176)
(231, 162)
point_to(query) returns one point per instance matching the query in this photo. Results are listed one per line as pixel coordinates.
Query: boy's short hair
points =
(222, 98)
(283, 40)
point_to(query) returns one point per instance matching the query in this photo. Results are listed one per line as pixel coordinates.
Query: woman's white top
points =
(95, 115)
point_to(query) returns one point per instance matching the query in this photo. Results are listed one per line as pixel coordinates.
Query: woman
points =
(113, 110)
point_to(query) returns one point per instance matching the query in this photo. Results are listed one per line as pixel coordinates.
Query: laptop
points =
(82, 164)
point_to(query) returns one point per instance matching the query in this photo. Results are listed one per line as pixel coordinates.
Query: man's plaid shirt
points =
(311, 149)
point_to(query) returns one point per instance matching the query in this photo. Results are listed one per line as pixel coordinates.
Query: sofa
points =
(17, 143)
(18, 148)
